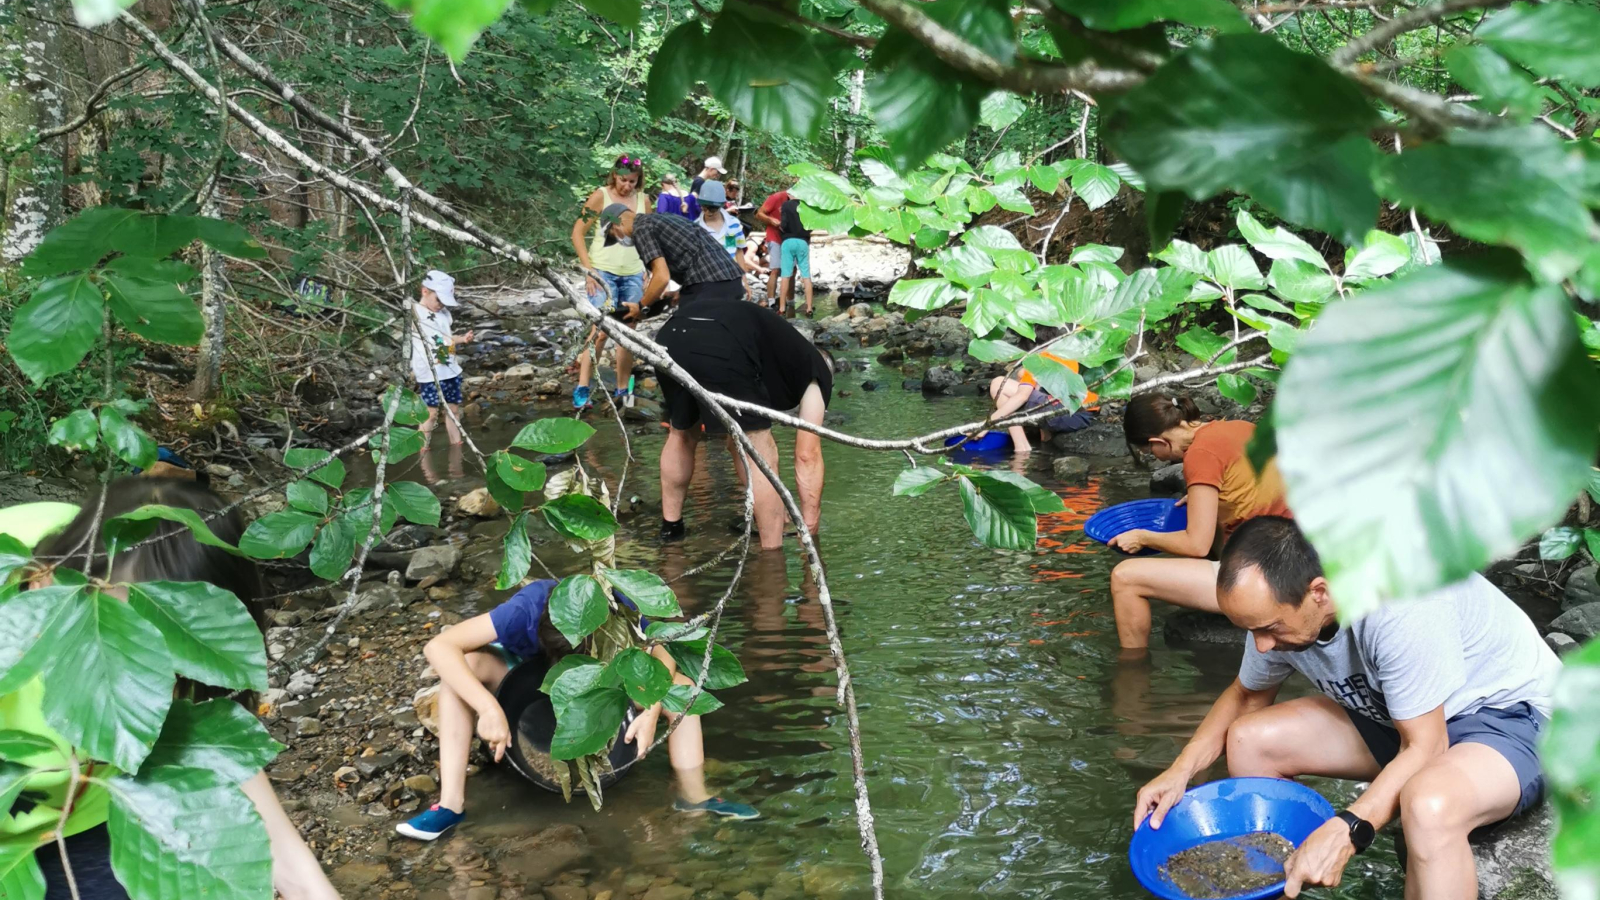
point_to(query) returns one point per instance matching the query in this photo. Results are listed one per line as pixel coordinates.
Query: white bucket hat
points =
(443, 285)
(715, 162)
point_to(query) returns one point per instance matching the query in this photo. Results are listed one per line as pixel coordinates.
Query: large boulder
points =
(478, 503)
(1190, 627)
(1581, 622)
(945, 328)
(1070, 468)
(1167, 479)
(437, 561)
(1582, 588)
(1099, 439)
(940, 380)
(1514, 860)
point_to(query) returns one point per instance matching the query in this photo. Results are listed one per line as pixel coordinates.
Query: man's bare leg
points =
(769, 511)
(1308, 736)
(808, 465)
(677, 468)
(1466, 787)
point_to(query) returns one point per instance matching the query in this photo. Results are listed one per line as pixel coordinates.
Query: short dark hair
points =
(1276, 546)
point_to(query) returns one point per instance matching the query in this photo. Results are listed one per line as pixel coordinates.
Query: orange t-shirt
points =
(1026, 377)
(1217, 457)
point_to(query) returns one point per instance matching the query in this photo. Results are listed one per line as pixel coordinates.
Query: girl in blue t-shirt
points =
(471, 667)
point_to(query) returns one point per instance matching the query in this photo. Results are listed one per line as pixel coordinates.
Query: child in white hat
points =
(433, 354)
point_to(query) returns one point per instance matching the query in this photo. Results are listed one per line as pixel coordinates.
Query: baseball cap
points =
(712, 193)
(612, 214)
(715, 162)
(442, 285)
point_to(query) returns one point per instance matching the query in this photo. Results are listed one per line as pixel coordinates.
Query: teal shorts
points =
(796, 253)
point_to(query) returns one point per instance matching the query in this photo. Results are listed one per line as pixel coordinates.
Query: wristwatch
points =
(1361, 831)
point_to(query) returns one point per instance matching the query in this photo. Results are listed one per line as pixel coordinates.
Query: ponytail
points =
(1150, 415)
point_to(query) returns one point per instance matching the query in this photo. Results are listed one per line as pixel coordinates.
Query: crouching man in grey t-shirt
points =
(1438, 702)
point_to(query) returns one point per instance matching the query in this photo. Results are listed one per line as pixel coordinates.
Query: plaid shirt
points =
(693, 255)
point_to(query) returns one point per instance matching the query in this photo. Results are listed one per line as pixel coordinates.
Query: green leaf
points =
(142, 269)
(189, 827)
(210, 634)
(725, 670)
(1002, 246)
(966, 266)
(108, 681)
(308, 497)
(79, 430)
(1232, 266)
(1000, 514)
(1277, 243)
(14, 555)
(672, 74)
(567, 663)
(1383, 254)
(923, 293)
(647, 591)
(1263, 444)
(578, 517)
(677, 700)
(1556, 40)
(1095, 253)
(785, 93)
(508, 497)
(335, 547)
(1221, 113)
(127, 440)
(519, 474)
(1567, 755)
(1096, 184)
(839, 221)
(1185, 256)
(644, 679)
(1559, 543)
(993, 351)
(13, 778)
(29, 622)
(1162, 211)
(58, 325)
(1499, 85)
(228, 238)
(1236, 388)
(399, 444)
(1396, 459)
(1000, 109)
(218, 735)
(1300, 282)
(1121, 15)
(410, 410)
(589, 723)
(824, 190)
(278, 535)
(358, 508)
(918, 101)
(413, 502)
(915, 482)
(518, 555)
(1331, 192)
(578, 605)
(553, 436)
(121, 528)
(77, 243)
(1011, 198)
(666, 632)
(1058, 381)
(1593, 487)
(1508, 186)
(1201, 343)
(155, 310)
(454, 24)
(331, 474)
(1043, 500)
(1591, 539)
(623, 12)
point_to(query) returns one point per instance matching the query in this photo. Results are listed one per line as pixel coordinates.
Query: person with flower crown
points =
(613, 274)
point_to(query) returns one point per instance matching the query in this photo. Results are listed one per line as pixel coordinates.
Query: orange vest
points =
(1026, 377)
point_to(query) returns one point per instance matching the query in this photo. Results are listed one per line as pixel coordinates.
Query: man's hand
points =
(1157, 797)
(643, 730)
(631, 312)
(1320, 861)
(1131, 541)
(495, 732)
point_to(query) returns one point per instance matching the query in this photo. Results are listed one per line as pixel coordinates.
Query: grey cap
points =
(712, 193)
(612, 214)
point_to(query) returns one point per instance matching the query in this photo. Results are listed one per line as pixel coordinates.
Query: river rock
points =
(1070, 468)
(940, 380)
(670, 892)
(1514, 860)
(869, 385)
(540, 858)
(301, 683)
(1167, 479)
(859, 311)
(911, 384)
(307, 726)
(1201, 628)
(377, 763)
(566, 892)
(437, 561)
(1560, 643)
(1581, 622)
(354, 876)
(422, 784)
(944, 328)
(1583, 587)
(1099, 439)
(478, 503)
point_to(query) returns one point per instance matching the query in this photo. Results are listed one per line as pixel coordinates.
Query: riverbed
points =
(1004, 734)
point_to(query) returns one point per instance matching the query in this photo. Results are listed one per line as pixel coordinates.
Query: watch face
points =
(1361, 831)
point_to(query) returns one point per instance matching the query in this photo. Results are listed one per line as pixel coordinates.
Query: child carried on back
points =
(472, 658)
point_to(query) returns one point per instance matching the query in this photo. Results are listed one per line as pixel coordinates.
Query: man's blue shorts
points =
(1513, 732)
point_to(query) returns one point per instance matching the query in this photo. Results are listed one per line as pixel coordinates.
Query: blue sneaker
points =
(718, 807)
(427, 826)
(580, 396)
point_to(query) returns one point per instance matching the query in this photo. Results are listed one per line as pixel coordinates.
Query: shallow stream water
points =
(1004, 737)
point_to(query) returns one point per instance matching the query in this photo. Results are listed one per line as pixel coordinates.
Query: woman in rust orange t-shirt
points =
(1223, 491)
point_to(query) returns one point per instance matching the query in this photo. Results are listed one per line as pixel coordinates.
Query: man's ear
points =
(1318, 591)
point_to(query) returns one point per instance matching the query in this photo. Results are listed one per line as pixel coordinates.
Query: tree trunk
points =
(30, 54)
(208, 368)
(858, 79)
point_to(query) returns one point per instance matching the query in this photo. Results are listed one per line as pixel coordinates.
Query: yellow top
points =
(615, 259)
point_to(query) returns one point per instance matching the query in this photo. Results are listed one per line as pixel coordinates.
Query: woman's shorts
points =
(622, 289)
(796, 254)
(430, 391)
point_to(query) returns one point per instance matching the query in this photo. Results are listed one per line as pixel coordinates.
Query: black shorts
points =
(732, 289)
(735, 348)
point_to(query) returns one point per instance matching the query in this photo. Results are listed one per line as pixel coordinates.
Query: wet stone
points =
(1167, 479)
(1582, 588)
(422, 784)
(380, 762)
(1581, 622)
(1560, 643)
(1070, 468)
(306, 726)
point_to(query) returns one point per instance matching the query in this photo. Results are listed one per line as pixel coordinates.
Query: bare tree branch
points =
(1418, 17)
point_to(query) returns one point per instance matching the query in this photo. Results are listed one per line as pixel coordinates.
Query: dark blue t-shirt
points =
(516, 621)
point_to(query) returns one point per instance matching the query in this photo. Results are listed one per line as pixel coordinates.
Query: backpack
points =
(789, 225)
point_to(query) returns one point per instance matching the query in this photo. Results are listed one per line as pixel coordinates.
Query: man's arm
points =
(1323, 856)
(658, 282)
(1209, 740)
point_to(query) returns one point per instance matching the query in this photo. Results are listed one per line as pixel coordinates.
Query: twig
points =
(1417, 17)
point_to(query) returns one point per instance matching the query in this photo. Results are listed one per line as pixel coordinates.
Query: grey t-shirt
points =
(1464, 647)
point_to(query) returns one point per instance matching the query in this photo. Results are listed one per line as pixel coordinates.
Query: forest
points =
(1364, 226)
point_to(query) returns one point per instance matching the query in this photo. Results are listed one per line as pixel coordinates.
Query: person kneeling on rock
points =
(472, 659)
(1021, 391)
